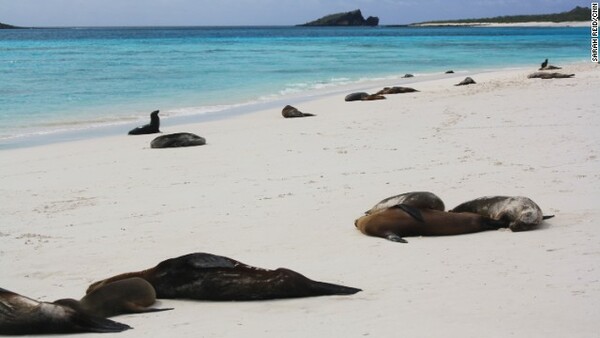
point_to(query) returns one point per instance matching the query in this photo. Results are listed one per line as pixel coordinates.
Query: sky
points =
(50, 13)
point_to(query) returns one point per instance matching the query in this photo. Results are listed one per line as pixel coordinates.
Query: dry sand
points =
(275, 192)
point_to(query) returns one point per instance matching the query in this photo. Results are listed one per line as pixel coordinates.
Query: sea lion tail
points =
(325, 289)
(547, 217)
(98, 324)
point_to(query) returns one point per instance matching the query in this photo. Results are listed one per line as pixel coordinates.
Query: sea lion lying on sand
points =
(416, 199)
(204, 276)
(542, 75)
(520, 212)
(20, 315)
(177, 140)
(131, 295)
(466, 81)
(400, 221)
(290, 112)
(396, 90)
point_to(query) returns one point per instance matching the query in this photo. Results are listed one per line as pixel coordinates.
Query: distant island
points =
(5, 26)
(353, 18)
(577, 14)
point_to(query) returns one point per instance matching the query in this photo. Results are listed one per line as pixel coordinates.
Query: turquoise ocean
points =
(59, 84)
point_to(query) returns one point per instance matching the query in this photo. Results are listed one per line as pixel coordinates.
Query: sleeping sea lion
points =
(466, 81)
(131, 295)
(150, 128)
(520, 212)
(205, 276)
(290, 112)
(178, 140)
(396, 90)
(20, 315)
(395, 222)
(415, 199)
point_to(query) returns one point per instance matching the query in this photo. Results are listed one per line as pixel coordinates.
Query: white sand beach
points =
(274, 192)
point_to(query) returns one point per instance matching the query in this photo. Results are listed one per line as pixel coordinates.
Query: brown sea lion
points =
(416, 199)
(205, 276)
(520, 212)
(151, 128)
(20, 315)
(290, 112)
(131, 295)
(396, 90)
(373, 97)
(466, 81)
(545, 76)
(395, 222)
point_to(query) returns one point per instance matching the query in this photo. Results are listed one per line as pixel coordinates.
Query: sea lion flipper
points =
(85, 323)
(136, 308)
(395, 238)
(547, 217)
(412, 211)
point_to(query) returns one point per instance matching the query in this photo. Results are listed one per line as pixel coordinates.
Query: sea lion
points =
(408, 75)
(545, 76)
(355, 96)
(544, 64)
(416, 199)
(21, 315)
(204, 276)
(290, 112)
(466, 81)
(151, 128)
(373, 97)
(395, 222)
(177, 140)
(131, 295)
(520, 212)
(449, 72)
(396, 90)
(550, 67)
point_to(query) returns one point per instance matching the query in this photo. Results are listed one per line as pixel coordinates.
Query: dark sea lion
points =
(544, 64)
(177, 140)
(408, 75)
(396, 90)
(356, 96)
(204, 276)
(20, 315)
(416, 199)
(542, 75)
(150, 128)
(373, 97)
(395, 222)
(131, 295)
(449, 72)
(520, 212)
(466, 81)
(290, 112)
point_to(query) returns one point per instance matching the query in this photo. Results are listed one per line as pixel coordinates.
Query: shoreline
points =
(274, 192)
(501, 24)
(174, 117)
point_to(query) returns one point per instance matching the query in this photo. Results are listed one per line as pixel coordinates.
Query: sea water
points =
(77, 79)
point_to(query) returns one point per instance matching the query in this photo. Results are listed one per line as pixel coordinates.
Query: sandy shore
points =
(515, 24)
(274, 192)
